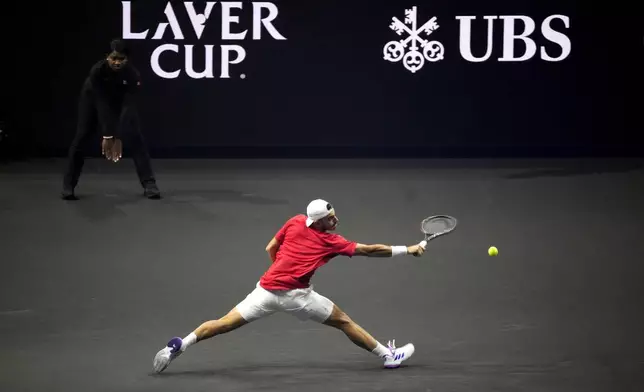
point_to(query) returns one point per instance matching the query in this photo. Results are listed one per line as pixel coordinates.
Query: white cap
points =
(317, 209)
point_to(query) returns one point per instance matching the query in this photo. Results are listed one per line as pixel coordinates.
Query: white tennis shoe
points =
(398, 355)
(167, 355)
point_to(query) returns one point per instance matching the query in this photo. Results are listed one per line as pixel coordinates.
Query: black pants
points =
(87, 132)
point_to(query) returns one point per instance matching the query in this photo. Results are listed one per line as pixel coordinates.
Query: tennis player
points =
(299, 248)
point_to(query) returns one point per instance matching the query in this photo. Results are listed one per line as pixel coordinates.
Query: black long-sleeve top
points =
(114, 92)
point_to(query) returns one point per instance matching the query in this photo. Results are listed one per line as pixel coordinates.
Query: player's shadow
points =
(579, 169)
(304, 371)
(101, 206)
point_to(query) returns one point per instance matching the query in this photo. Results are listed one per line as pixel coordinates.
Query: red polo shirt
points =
(302, 251)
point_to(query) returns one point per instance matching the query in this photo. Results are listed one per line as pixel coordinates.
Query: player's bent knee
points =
(338, 318)
(234, 319)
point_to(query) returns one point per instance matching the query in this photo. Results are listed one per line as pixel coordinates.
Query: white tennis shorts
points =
(305, 304)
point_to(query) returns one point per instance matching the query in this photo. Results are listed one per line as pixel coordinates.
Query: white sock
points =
(381, 351)
(188, 341)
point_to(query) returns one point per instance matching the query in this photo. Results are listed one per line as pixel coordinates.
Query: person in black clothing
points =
(107, 103)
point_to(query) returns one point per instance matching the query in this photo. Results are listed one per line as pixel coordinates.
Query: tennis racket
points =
(436, 226)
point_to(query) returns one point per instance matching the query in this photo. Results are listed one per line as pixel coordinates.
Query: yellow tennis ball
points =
(493, 251)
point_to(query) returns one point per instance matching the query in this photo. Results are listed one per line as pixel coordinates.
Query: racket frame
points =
(431, 236)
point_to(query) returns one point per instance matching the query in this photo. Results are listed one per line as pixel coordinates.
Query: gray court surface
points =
(92, 289)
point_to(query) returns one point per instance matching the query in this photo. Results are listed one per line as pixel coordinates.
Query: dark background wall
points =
(327, 85)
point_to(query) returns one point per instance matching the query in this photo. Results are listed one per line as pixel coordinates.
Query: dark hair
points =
(119, 46)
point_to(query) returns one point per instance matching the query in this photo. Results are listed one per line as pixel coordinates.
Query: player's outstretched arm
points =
(379, 250)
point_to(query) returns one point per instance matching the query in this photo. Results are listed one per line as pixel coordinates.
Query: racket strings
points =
(437, 225)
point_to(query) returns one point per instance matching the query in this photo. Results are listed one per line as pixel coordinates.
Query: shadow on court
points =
(107, 205)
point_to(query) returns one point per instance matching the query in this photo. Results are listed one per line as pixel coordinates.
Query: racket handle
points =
(423, 244)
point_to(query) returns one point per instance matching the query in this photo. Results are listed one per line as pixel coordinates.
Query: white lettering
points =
(227, 19)
(465, 38)
(509, 37)
(556, 37)
(154, 61)
(174, 24)
(127, 23)
(229, 54)
(207, 72)
(225, 58)
(267, 22)
(198, 21)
